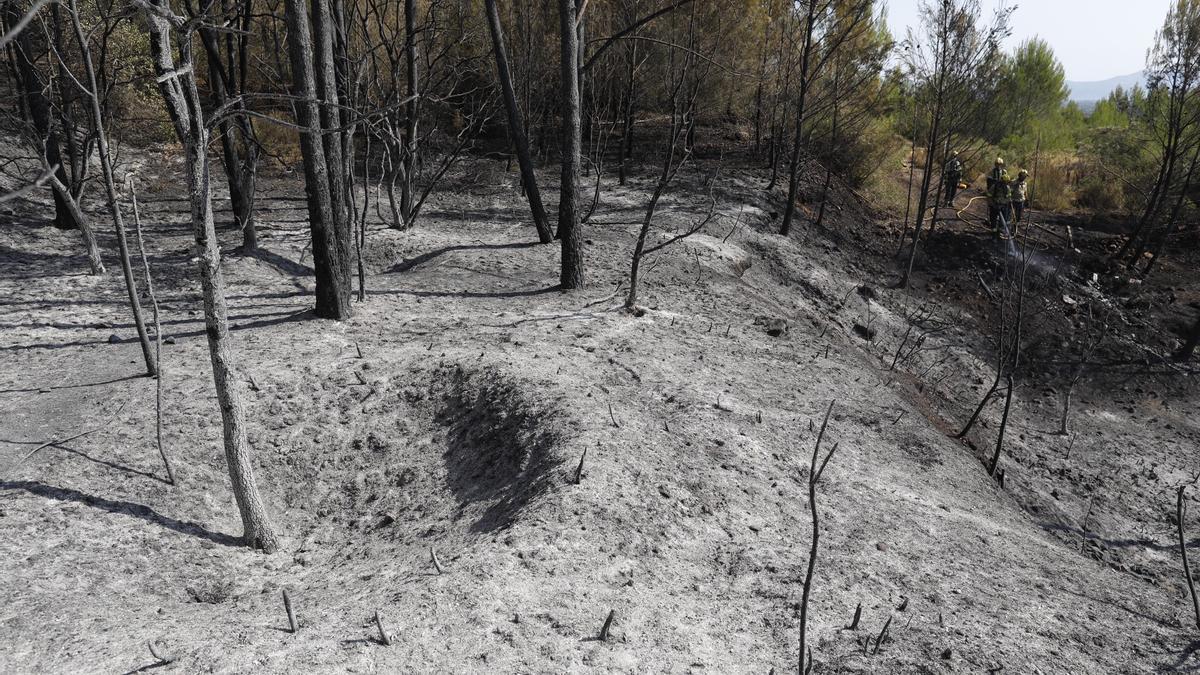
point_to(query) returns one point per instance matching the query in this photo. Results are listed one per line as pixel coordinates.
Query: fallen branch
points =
(53, 441)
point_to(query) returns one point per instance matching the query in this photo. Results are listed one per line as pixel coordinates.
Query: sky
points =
(1094, 39)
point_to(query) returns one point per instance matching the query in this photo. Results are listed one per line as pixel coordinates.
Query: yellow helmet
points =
(999, 161)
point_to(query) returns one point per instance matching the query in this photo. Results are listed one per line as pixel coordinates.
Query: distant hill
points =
(1090, 92)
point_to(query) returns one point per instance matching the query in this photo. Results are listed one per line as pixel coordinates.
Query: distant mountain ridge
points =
(1087, 92)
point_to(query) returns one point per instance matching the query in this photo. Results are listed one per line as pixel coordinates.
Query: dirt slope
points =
(460, 428)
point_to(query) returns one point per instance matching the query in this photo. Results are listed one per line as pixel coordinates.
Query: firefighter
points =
(953, 174)
(1020, 195)
(999, 198)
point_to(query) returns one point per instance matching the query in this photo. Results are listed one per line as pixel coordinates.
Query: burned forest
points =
(509, 336)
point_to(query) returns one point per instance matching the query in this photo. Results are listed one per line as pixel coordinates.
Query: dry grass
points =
(885, 187)
(1052, 187)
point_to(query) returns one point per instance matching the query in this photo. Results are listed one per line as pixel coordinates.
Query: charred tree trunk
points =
(178, 88)
(409, 158)
(568, 199)
(239, 151)
(516, 127)
(331, 250)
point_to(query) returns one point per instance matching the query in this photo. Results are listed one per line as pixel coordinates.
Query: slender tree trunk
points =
(106, 166)
(995, 463)
(516, 128)
(758, 89)
(568, 200)
(789, 208)
(411, 110)
(927, 171)
(627, 110)
(178, 88)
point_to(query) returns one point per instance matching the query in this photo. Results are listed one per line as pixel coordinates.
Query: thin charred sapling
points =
(516, 127)
(1018, 287)
(158, 383)
(683, 73)
(815, 469)
(1180, 514)
(92, 92)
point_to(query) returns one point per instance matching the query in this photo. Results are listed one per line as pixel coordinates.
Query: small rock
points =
(169, 340)
(881, 546)
(113, 339)
(947, 653)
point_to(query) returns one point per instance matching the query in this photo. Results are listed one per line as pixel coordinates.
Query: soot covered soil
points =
(459, 429)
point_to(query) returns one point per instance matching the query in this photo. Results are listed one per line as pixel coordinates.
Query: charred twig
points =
(293, 625)
(434, 559)
(579, 469)
(857, 615)
(612, 613)
(882, 636)
(384, 638)
(613, 417)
